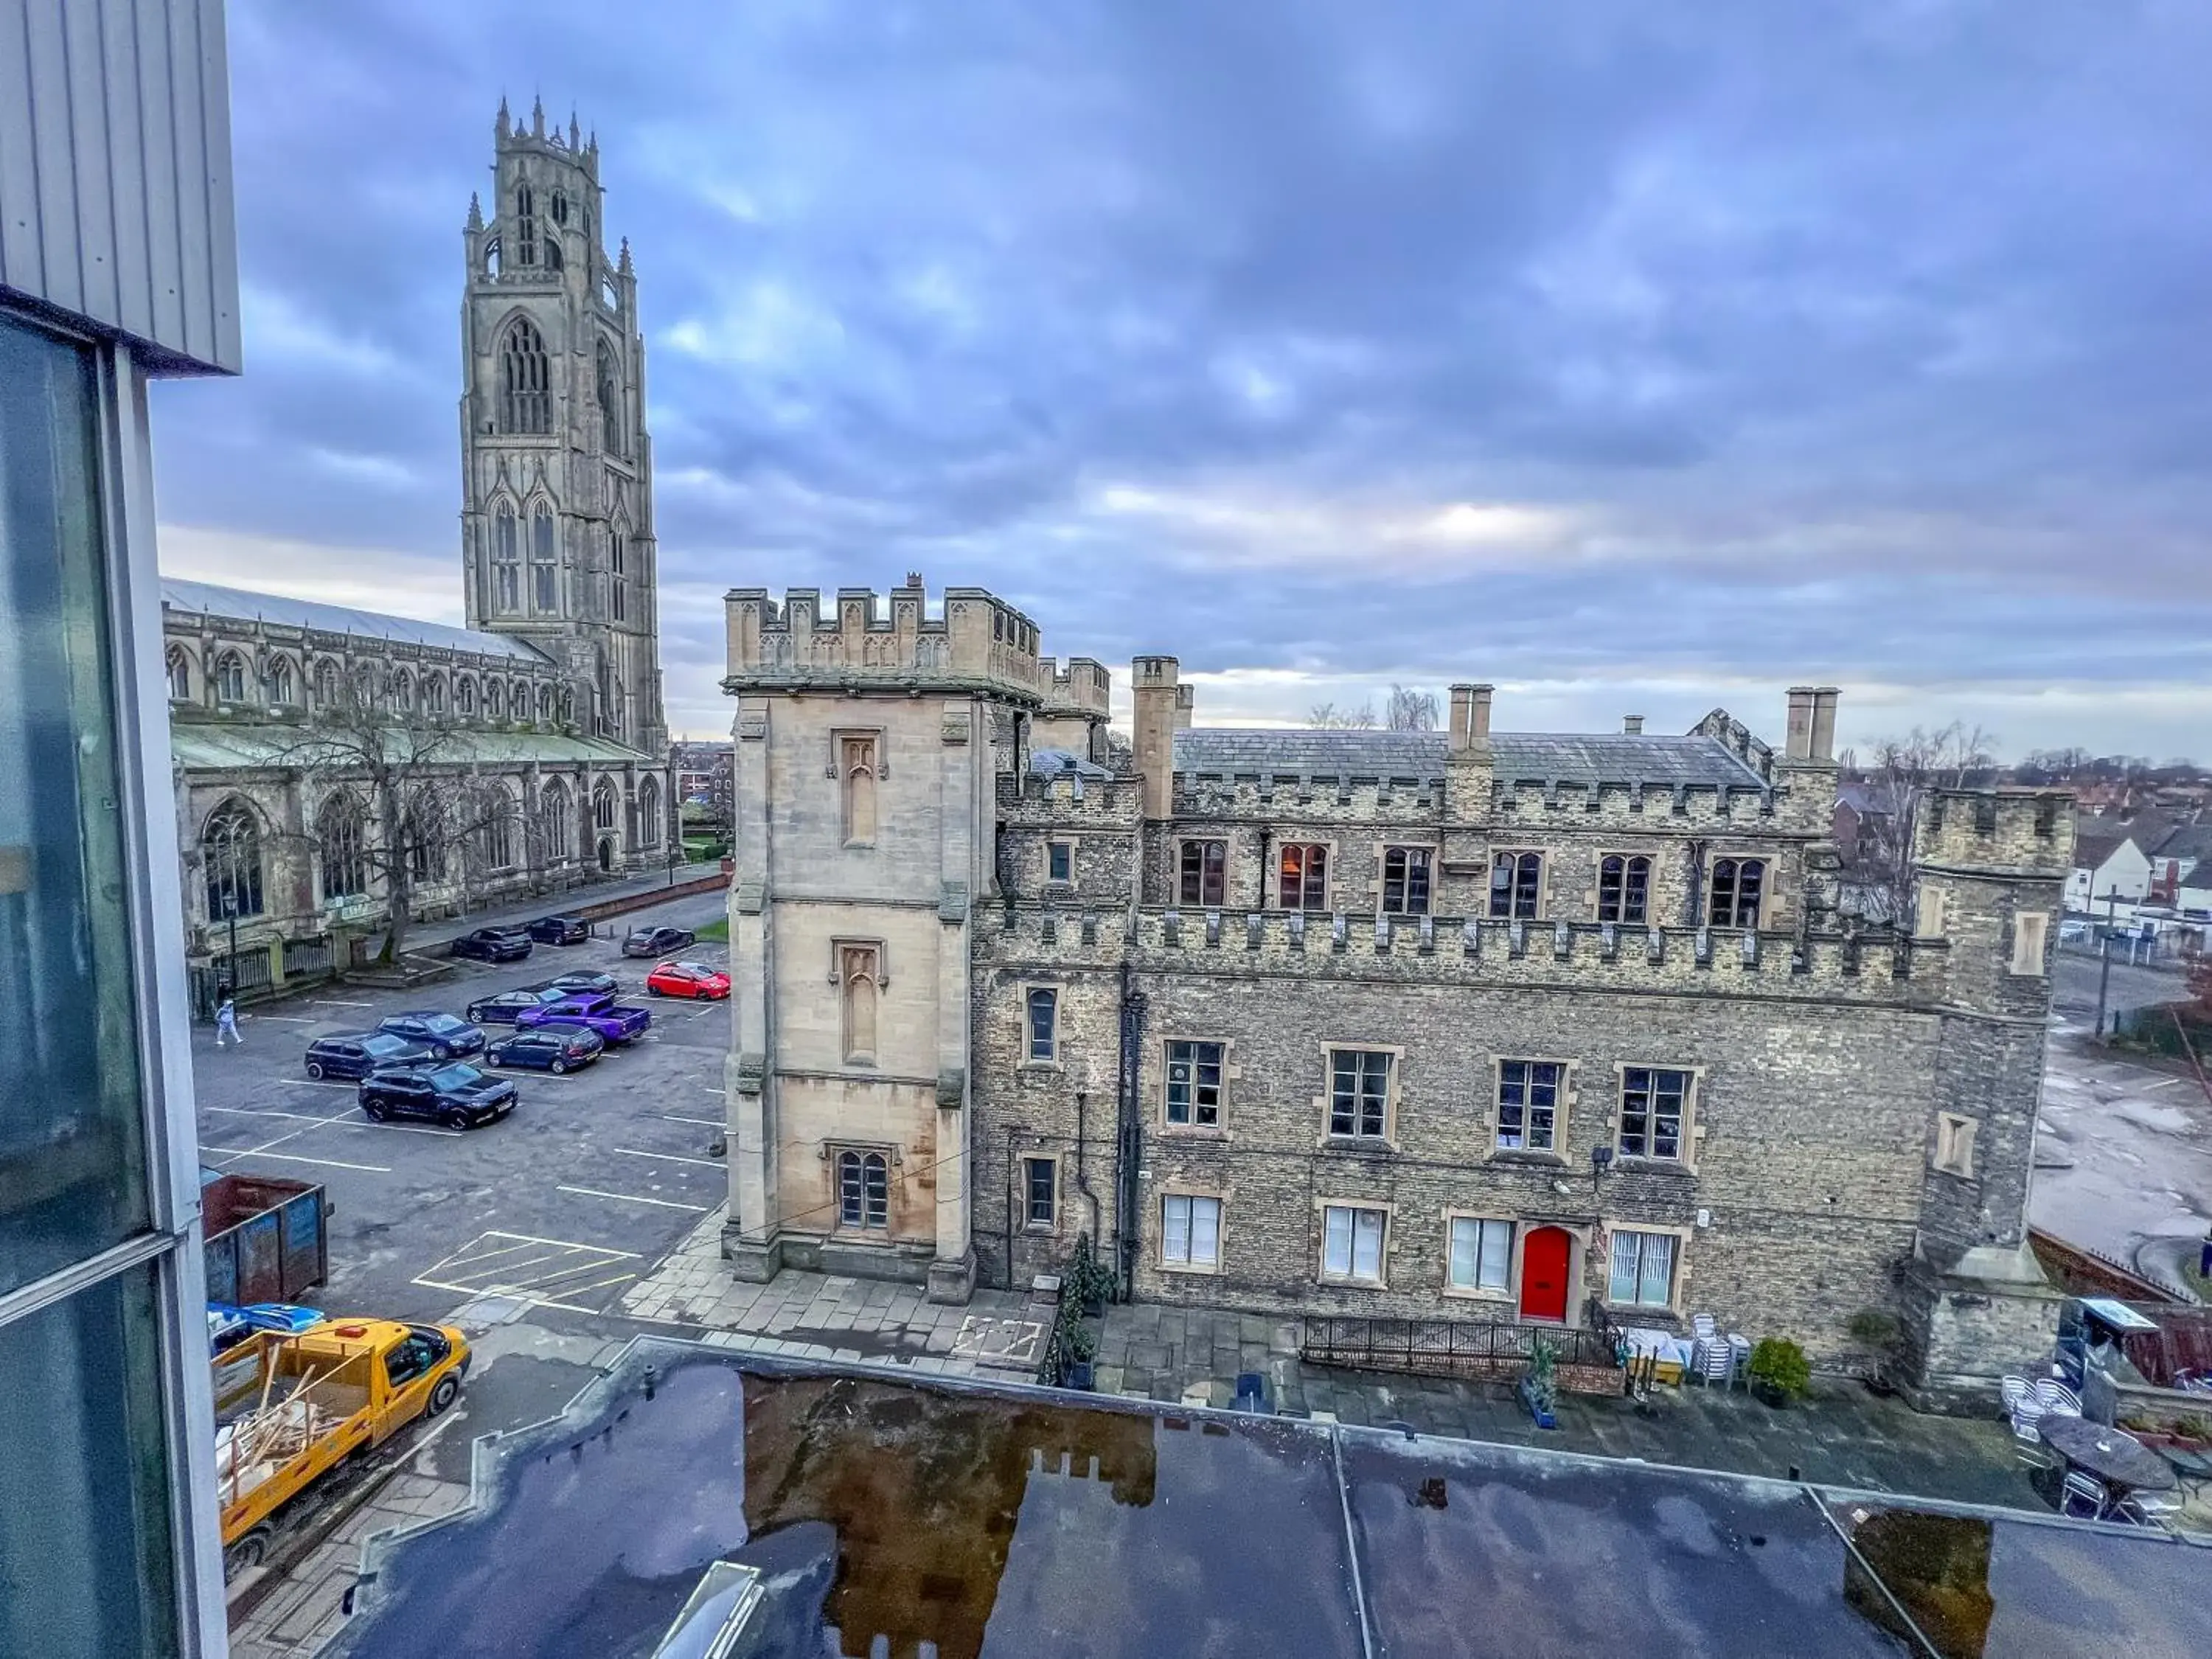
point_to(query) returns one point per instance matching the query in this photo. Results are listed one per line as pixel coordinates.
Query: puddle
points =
(2167, 1120)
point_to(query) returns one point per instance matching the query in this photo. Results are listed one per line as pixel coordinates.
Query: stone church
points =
(1553, 1028)
(534, 739)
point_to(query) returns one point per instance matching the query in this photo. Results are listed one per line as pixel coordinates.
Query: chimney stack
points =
(1631, 725)
(1186, 705)
(1470, 718)
(1158, 704)
(1824, 723)
(1798, 744)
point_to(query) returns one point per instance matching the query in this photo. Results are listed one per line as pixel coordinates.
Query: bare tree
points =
(1361, 718)
(1410, 710)
(1903, 771)
(397, 795)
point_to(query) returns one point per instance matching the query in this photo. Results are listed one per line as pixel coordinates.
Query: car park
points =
(446, 1036)
(657, 941)
(555, 1049)
(559, 930)
(687, 979)
(456, 1095)
(493, 945)
(584, 984)
(503, 1008)
(356, 1053)
(602, 1014)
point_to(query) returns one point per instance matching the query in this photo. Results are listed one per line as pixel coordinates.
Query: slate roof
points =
(2092, 847)
(1516, 756)
(207, 598)
(1066, 763)
(226, 745)
(2191, 841)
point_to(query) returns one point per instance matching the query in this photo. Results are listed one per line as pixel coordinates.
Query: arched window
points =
(552, 252)
(326, 683)
(179, 665)
(1516, 886)
(494, 700)
(860, 979)
(609, 383)
(560, 207)
(491, 257)
(343, 839)
(497, 812)
(546, 704)
(556, 821)
(618, 554)
(518, 700)
(648, 812)
(603, 805)
(1736, 892)
(857, 769)
(464, 699)
(526, 225)
(863, 1189)
(365, 685)
(423, 831)
(230, 678)
(545, 578)
(402, 692)
(616, 723)
(284, 683)
(434, 694)
(526, 380)
(506, 559)
(230, 851)
(567, 706)
(1623, 889)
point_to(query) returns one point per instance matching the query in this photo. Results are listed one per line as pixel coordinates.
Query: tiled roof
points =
(2191, 841)
(1516, 756)
(206, 598)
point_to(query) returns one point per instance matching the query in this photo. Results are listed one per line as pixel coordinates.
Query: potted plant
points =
(1881, 1334)
(1539, 1386)
(1779, 1371)
(1082, 1349)
(1087, 1282)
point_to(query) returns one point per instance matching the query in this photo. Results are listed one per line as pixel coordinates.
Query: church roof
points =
(246, 604)
(1516, 756)
(223, 746)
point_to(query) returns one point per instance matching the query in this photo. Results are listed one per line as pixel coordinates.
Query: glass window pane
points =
(1367, 1244)
(1496, 1250)
(1465, 1252)
(1621, 1286)
(72, 1154)
(85, 1561)
(1336, 1246)
(1175, 1228)
(1658, 1276)
(1205, 1231)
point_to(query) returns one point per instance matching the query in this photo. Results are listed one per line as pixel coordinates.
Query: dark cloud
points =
(1631, 348)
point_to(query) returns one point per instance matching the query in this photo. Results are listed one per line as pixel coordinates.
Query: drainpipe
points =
(1129, 1136)
(1082, 1180)
(1011, 1131)
(1697, 895)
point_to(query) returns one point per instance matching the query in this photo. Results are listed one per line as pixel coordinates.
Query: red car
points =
(687, 979)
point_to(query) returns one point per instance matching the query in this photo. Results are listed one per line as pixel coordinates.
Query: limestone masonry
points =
(1476, 1024)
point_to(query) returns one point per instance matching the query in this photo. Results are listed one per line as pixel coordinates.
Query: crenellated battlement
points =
(1070, 800)
(1567, 955)
(2021, 832)
(975, 643)
(1550, 806)
(1084, 687)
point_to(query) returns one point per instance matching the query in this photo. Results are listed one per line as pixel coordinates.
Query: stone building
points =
(534, 743)
(1474, 1024)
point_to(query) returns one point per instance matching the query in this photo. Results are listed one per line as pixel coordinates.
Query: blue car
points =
(356, 1053)
(445, 1035)
(553, 1050)
(508, 1006)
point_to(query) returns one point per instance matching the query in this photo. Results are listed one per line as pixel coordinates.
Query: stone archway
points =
(606, 855)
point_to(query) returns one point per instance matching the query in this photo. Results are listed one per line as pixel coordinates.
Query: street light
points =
(2104, 971)
(230, 977)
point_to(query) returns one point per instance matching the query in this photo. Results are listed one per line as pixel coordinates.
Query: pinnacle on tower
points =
(623, 263)
(538, 118)
(502, 125)
(476, 212)
(572, 134)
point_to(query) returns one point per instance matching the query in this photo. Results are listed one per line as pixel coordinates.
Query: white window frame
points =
(1030, 1224)
(1357, 1212)
(1189, 1201)
(1031, 1060)
(1677, 1241)
(1508, 1285)
(1220, 1124)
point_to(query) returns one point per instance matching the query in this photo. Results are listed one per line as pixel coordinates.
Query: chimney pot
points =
(1470, 718)
(1798, 744)
(1631, 725)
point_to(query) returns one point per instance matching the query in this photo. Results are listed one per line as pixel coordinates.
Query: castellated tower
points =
(557, 514)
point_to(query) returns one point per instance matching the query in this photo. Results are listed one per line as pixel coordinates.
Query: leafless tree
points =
(1361, 718)
(1410, 710)
(1903, 771)
(397, 794)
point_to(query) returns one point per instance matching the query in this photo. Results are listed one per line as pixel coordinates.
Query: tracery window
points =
(609, 382)
(544, 575)
(558, 826)
(648, 812)
(1736, 889)
(526, 381)
(230, 678)
(506, 559)
(180, 666)
(603, 805)
(284, 683)
(230, 851)
(343, 847)
(526, 225)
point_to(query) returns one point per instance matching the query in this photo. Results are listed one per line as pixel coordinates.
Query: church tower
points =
(556, 519)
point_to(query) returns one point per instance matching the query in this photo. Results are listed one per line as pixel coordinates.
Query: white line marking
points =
(703, 1122)
(711, 1090)
(474, 1292)
(242, 1111)
(704, 1163)
(338, 1002)
(289, 1020)
(326, 1163)
(318, 1082)
(632, 1198)
(532, 1238)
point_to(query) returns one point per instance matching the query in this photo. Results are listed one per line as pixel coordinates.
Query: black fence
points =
(1445, 1348)
(247, 976)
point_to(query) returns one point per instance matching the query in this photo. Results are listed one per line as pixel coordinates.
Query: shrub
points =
(1781, 1365)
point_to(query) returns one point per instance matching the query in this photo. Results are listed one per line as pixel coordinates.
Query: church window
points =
(648, 813)
(230, 678)
(603, 805)
(555, 821)
(464, 699)
(552, 252)
(494, 700)
(615, 725)
(518, 700)
(433, 694)
(344, 854)
(526, 381)
(560, 207)
(181, 674)
(609, 294)
(526, 225)
(506, 557)
(491, 257)
(609, 392)
(860, 979)
(230, 850)
(326, 683)
(567, 706)
(858, 769)
(863, 1190)
(545, 578)
(284, 683)
(423, 831)
(545, 703)
(498, 829)
(617, 552)
(402, 692)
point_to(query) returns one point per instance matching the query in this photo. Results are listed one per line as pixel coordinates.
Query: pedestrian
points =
(2204, 1255)
(225, 1022)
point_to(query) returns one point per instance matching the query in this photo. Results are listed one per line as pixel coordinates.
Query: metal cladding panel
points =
(115, 176)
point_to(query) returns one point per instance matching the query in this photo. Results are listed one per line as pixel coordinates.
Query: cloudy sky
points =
(1634, 358)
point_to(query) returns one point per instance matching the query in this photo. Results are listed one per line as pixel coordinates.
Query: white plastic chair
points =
(2012, 1390)
(2055, 1396)
(2081, 1496)
(1702, 1326)
(1716, 1362)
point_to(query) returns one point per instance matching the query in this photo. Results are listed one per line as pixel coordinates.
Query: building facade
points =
(1474, 1024)
(326, 757)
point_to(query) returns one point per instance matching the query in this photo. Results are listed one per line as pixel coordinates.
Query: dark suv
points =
(493, 945)
(445, 1035)
(356, 1053)
(504, 1008)
(458, 1097)
(658, 941)
(559, 930)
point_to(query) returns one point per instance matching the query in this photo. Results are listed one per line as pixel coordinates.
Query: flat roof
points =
(1017, 1522)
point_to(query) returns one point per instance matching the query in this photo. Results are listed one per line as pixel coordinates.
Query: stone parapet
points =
(1083, 689)
(977, 643)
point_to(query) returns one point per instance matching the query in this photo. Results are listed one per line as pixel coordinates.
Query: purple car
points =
(590, 1012)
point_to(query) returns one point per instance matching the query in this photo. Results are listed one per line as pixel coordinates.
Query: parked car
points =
(493, 945)
(658, 941)
(687, 979)
(446, 1036)
(356, 1053)
(559, 930)
(459, 1096)
(602, 1014)
(584, 984)
(502, 1009)
(555, 1049)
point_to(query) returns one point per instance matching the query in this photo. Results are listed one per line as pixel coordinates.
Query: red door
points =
(1543, 1274)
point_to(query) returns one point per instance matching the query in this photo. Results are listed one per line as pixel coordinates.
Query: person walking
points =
(226, 1022)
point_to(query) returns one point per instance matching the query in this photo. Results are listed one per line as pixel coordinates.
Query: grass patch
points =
(714, 932)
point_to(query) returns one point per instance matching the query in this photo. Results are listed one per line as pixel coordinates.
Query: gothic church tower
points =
(557, 521)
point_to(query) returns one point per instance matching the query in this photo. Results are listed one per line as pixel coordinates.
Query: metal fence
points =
(306, 956)
(1587, 1359)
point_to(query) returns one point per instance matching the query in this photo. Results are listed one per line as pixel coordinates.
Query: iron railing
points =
(1446, 1347)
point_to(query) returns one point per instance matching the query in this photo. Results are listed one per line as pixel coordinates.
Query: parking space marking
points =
(703, 1122)
(295, 1157)
(542, 1272)
(248, 1111)
(316, 1083)
(710, 1089)
(289, 1020)
(671, 1157)
(634, 1198)
(338, 1002)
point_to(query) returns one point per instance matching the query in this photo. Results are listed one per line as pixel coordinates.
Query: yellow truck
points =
(290, 1408)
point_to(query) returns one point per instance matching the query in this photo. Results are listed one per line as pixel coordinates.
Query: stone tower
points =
(557, 516)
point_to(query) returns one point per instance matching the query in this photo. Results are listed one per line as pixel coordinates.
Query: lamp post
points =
(230, 977)
(2105, 970)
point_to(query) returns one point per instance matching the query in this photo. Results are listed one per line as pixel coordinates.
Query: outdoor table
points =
(2112, 1456)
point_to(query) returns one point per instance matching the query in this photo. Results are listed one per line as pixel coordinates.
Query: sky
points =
(1634, 359)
